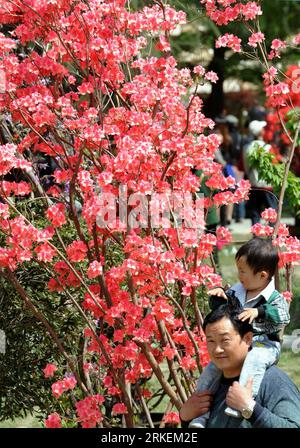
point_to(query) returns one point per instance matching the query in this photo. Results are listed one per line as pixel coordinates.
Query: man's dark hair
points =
(231, 312)
(260, 255)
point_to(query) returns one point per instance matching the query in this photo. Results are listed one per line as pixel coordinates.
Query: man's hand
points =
(249, 313)
(239, 397)
(217, 292)
(197, 405)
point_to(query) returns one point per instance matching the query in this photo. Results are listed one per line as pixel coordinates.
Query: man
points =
(277, 404)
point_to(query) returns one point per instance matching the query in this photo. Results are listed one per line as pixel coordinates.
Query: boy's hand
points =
(217, 292)
(249, 313)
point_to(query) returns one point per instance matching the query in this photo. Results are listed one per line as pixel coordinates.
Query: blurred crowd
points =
(238, 140)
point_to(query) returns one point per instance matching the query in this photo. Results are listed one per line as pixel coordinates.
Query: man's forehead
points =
(221, 327)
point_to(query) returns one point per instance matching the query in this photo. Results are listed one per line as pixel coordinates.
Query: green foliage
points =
(273, 173)
(28, 347)
(293, 118)
(295, 304)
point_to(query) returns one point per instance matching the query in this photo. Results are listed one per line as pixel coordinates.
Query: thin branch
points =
(285, 180)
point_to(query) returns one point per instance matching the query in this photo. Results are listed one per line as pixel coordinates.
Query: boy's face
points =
(249, 280)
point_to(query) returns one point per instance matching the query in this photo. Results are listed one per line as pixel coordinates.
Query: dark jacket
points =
(277, 404)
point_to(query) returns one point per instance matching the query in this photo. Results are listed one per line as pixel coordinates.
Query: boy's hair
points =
(260, 255)
(232, 313)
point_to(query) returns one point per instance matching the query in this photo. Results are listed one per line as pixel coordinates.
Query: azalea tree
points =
(125, 131)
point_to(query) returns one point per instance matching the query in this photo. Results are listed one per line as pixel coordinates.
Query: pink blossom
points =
(283, 230)
(261, 230)
(71, 79)
(224, 237)
(85, 87)
(270, 75)
(230, 41)
(287, 295)
(213, 281)
(94, 270)
(6, 44)
(171, 417)
(199, 70)
(288, 258)
(88, 411)
(242, 191)
(187, 362)
(45, 252)
(49, 370)
(70, 382)
(77, 251)
(85, 180)
(269, 214)
(278, 44)
(119, 408)
(256, 38)
(62, 386)
(4, 211)
(57, 389)
(251, 10)
(163, 44)
(211, 76)
(169, 352)
(277, 94)
(296, 39)
(57, 214)
(7, 157)
(223, 198)
(53, 421)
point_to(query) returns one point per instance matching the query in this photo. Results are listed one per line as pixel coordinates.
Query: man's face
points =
(226, 348)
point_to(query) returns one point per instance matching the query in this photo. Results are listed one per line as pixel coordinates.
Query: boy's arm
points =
(275, 311)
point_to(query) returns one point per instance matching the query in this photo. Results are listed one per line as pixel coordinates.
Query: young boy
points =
(266, 310)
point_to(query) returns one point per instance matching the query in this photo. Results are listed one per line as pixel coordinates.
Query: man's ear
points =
(248, 338)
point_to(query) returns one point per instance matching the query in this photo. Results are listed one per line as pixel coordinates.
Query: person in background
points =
(261, 193)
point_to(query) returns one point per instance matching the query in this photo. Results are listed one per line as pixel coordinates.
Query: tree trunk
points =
(214, 104)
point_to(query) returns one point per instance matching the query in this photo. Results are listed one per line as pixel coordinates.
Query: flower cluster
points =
(89, 414)
(230, 41)
(57, 214)
(276, 46)
(172, 417)
(256, 38)
(62, 386)
(269, 214)
(53, 421)
(289, 246)
(289, 99)
(223, 12)
(49, 370)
